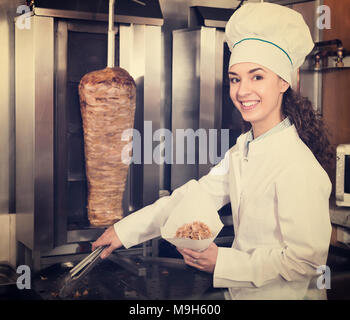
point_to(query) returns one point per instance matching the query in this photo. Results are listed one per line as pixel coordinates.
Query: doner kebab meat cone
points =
(107, 105)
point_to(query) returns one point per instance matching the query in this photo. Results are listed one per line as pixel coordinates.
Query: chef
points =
(273, 176)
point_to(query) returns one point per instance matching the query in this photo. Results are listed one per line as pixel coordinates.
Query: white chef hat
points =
(271, 35)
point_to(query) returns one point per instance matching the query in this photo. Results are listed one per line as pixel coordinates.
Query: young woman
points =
(273, 176)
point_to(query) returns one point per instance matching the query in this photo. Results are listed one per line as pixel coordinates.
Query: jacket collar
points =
(268, 143)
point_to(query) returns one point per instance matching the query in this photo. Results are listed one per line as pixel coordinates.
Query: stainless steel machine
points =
(200, 89)
(59, 43)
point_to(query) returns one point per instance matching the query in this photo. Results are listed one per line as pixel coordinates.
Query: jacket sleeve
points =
(302, 200)
(145, 223)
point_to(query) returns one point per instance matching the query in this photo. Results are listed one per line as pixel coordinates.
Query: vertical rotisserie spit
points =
(107, 104)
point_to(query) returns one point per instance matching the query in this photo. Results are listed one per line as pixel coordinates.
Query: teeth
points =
(248, 104)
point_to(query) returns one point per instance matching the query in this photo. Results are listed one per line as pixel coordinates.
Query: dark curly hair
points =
(309, 125)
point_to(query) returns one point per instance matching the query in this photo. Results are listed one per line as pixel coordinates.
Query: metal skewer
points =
(111, 36)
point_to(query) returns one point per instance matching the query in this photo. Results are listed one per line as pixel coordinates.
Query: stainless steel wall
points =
(7, 105)
(7, 132)
(197, 102)
(34, 59)
(175, 14)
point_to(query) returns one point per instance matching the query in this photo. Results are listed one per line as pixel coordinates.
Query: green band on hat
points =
(267, 42)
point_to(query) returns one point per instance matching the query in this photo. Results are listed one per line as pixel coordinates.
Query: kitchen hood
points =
(209, 16)
(146, 12)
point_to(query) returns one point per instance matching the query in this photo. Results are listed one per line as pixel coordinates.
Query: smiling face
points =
(257, 93)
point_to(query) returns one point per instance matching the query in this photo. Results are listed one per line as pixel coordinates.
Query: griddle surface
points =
(108, 281)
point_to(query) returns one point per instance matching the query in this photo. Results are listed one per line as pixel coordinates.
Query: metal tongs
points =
(77, 273)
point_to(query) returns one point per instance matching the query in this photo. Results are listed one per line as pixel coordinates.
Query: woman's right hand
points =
(108, 238)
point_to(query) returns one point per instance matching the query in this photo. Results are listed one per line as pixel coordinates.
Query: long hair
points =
(309, 125)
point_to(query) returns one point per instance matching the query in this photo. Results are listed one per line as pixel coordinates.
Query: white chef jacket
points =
(279, 196)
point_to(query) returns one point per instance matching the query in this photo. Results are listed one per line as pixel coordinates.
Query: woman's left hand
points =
(204, 261)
